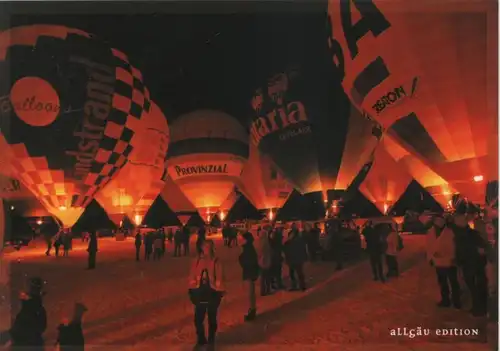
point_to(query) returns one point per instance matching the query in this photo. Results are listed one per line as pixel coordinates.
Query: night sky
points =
(197, 55)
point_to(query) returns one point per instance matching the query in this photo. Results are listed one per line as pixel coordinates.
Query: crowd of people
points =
(453, 248)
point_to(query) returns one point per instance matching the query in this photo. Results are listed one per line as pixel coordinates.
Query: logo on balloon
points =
(231, 169)
(33, 100)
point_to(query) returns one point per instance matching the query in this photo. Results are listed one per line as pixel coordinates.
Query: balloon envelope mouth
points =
(35, 101)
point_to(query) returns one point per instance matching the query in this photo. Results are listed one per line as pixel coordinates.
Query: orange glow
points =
(62, 208)
(222, 215)
(478, 178)
(386, 208)
(138, 219)
(270, 214)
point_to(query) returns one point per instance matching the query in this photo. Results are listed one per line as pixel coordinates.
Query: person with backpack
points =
(249, 262)
(394, 245)
(206, 289)
(31, 321)
(70, 333)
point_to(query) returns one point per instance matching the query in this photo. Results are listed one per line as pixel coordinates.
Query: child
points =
(70, 332)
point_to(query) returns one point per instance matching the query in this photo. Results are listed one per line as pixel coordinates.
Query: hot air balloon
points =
(142, 178)
(427, 71)
(386, 181)
(317, 142)
(434, 184)
(177, 201)
(263, 185)
(206, 156)
(70, 106)
(19, 197)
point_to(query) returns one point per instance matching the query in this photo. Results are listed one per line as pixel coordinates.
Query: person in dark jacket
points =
(226, 234)
(177, 242)
(148, 245)
(92, 250)
(471, 258)
(138, 243)
(296, 256)
(375, 248)
(249, 263)
(314, 246)
(70, 333)
(66, 241)
(163, 238)
(185, 239)
(202, 236)
(336, 244)
(276, 242)
(48, 241)
(58, 241)
(31, 321)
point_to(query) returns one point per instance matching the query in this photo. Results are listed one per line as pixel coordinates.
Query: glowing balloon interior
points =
(70, 107)
(428, 73)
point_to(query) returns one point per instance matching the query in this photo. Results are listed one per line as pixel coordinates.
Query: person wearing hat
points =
(441, 255)
(70, 333)
(249, 263)
(31, 321)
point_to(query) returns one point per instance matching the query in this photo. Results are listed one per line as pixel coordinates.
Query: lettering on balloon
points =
(29, 104)
(394, 97)
(96, 111)
(372, 22)
(201, 169)
(282, 115)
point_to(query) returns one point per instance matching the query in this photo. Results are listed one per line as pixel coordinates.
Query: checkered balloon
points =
(69, 107)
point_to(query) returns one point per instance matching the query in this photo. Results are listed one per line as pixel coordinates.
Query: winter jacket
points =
(264, 250)
(468, 242)
(215, 273)
(295, 250)
(249, 262)
(374, 241)
(392, 244)
(30, 323)
(441, 249)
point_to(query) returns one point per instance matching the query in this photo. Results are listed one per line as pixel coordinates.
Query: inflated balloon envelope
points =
(427, 71)
(141, 180)
(206, 156)
(70, 106)
(315, 138)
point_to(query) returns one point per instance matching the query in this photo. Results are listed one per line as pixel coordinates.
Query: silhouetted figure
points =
(48, 241)
(163, 238)
(394, 242)
(206, 291)
(337, 244)
(185, 240)
(276, 242)
(58, 239)
(157, 246)
(471, 250)
(177, 242)
(295, 256)
(31, 321)
(202, 236)
(92, 250)
(148, 246)
(66, 239)
(233, 237)
(70, 333)
(138, 243)
(226, 234)
(264, 255)
(375, 248)
(313, 242)
(249, 263)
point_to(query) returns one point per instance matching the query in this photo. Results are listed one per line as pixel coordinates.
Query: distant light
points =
(271, 215)
(325, 201)
(478, 178)
(12, 208)
(222, 215)
(62, 208)
(39, 222)
(138, 219)
(386, 207)
(446, 192)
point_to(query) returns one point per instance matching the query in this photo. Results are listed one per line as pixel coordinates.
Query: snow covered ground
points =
(144, 305)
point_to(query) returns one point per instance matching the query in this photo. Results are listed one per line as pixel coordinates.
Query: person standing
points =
(70, 333)
(314, 235)
(138, 243)
(471, 250)
(185, 239)
(226, 234)
(276, 242)
(58, 238)
(393, 247)
(157, 243)
(66, 242)
(441, 255)
(163, 238)
(202, 236)
(31, 321)
(264, 258)
(295, 257)
(206, 290)
(92, 250)
(148, 245)
(48, 241)
(375, 249)
(177, 242)
(250, 268)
